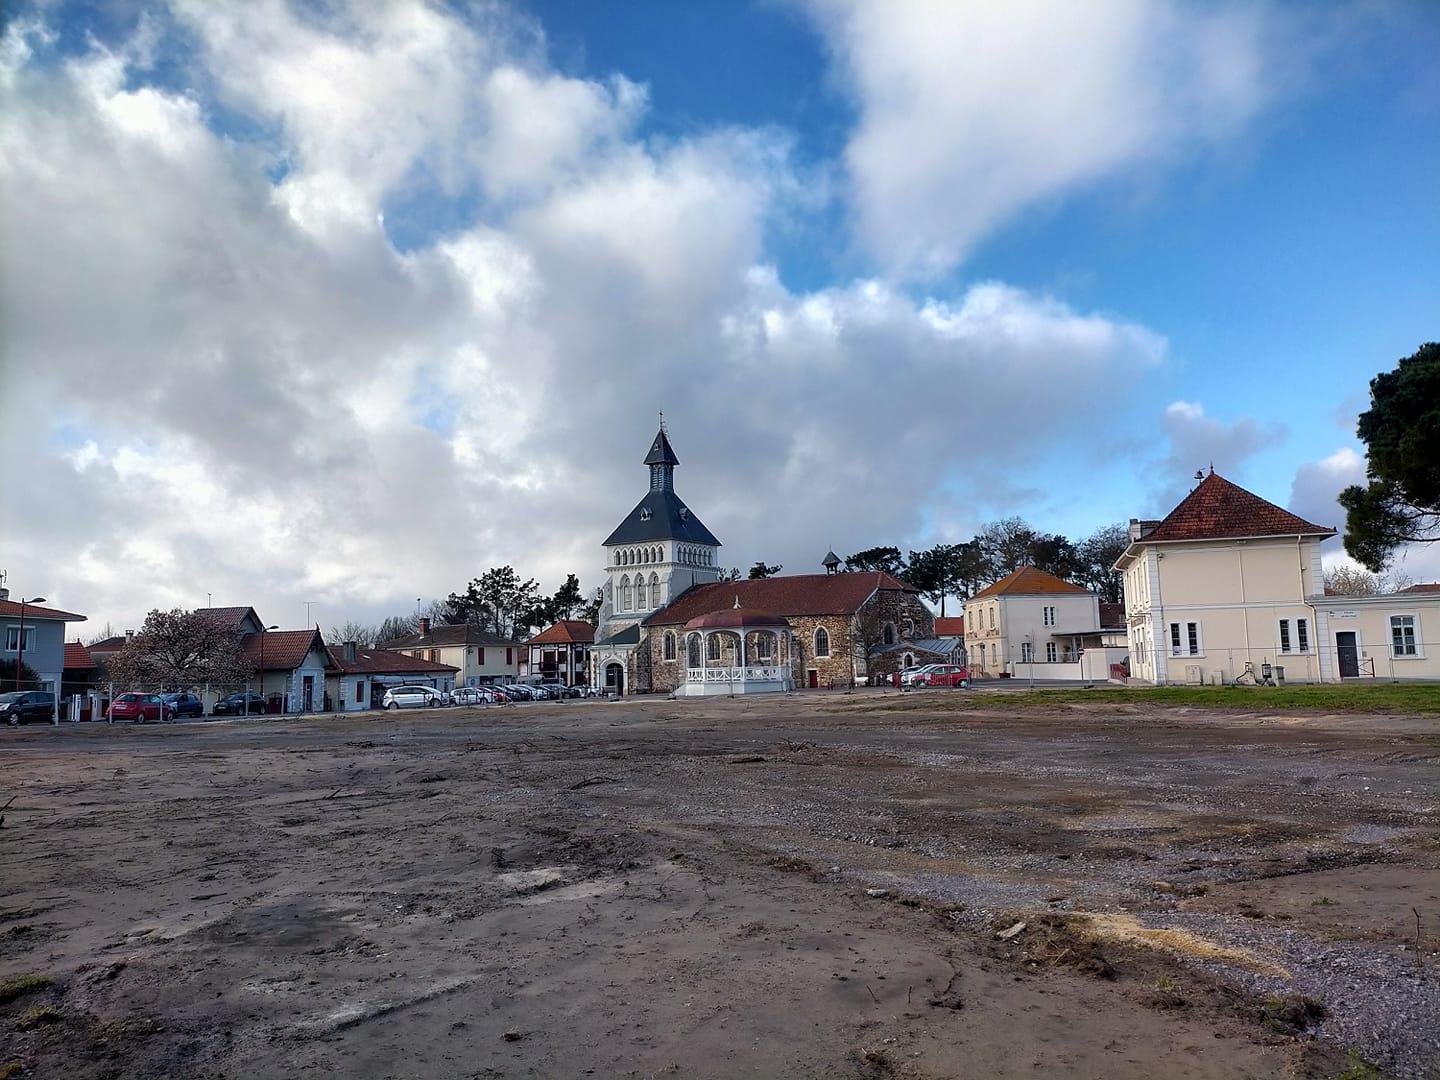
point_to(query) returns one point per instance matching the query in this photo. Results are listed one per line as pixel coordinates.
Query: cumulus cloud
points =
(236, 382)
(1198, 440)
(1317, 483)
(969, 112)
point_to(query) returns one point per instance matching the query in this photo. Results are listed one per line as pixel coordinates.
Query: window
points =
(1026, 654)
(509, 657)
(762, 647)
(480, 655)
(822, 642)
(627, 596)
(712, 647)
(1300, 642)
(889, 634)
(640, 593)
(1048, 614)
(1302, 634)
(692, 650)
(1402, 635)
(1284, 635)
(359, 691)
(12, 638)
(909, 627)
(1050, 656)
(654, 590)
(434, 656)
(669, 645)
(992, 618)
(1185, 639)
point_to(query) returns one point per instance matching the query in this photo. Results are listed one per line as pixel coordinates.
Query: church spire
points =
(662, 461)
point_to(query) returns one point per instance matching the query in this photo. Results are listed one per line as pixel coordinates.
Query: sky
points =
(342, 304)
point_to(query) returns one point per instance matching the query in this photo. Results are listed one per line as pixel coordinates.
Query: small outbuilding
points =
(736, 650)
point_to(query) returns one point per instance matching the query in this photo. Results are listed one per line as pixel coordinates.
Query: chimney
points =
(350, 648)
(424, 625)
(4, 593)
(128, 635)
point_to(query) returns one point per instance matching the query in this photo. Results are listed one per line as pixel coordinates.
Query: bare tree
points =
(361, 633)
(1355, 581)
(105, 634)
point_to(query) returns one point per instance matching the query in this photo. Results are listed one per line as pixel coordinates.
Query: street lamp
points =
(263, 703)
(20, 645)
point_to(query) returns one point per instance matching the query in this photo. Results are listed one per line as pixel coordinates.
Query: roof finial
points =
(1212, 466)
(662, 419)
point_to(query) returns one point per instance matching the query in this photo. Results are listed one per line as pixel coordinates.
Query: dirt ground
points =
(808, 886)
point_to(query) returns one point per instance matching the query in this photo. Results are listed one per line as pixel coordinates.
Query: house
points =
(34, 635)
(290, 666)
(477, 656)
(560, 653)
(360, 675)
(800, 630)
(1031, 624)
(1377, 637)
(1222, 588)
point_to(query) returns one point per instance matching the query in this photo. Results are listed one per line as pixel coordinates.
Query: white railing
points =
(734, 674)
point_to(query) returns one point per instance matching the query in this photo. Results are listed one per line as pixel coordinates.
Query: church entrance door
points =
(615, 680)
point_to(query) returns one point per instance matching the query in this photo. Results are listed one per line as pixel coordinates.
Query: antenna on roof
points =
(1199, 474)
(1212, 466)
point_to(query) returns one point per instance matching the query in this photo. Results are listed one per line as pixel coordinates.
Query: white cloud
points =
(969, 112)
(240, 386)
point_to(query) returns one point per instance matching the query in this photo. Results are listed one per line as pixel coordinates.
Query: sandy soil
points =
(806, 887)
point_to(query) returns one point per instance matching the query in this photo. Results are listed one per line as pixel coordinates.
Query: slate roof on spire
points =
(668, 519)
(1218, 510)
(831, 559)
(661, 452)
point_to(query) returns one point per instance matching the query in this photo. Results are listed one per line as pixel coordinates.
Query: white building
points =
(1032, 624)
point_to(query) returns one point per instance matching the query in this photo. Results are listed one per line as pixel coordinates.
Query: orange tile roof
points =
(10, 607)
(950, 626)
(1423, 587)
(77, 657)
(795, 594)
(377, 661)
(285, 650)
(1028, 581)
(1218, 510)
(565, 632)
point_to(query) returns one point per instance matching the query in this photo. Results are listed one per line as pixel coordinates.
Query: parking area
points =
(812, 885)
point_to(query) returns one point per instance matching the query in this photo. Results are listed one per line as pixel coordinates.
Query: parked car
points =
(184, 704)
(908, 676)
(238, 704)
(494, 694)
(953, 675)
(519, 692)
(23, 706)
(414, 697)
(139, 708)
(470, 695)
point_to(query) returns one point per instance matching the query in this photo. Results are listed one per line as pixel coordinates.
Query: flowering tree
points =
(181, 650)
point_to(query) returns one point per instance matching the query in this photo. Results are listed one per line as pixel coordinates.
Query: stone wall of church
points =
(913, 621)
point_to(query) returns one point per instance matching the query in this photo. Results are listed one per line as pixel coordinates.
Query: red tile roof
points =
(377, 661)
(1219, 510)
(1111, 615)
(1425, 587)
(796, 594)
(285, 650)
(1028, 581)
(10, 607)
(77, 657)
(950, 626)
(449, 634)
(565, 632)
(109, 645)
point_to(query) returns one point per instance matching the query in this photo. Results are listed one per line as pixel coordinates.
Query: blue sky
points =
(891, 270)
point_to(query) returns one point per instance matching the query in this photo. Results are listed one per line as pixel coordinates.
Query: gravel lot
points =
(805, 886)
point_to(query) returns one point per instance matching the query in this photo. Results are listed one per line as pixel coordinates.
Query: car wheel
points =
(14, 721)
(393, 706)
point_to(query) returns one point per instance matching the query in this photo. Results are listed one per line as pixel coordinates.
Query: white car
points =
(469, 695)
(414, 697)
(907, 677)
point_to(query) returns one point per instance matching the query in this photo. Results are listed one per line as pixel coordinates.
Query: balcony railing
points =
(767, 673)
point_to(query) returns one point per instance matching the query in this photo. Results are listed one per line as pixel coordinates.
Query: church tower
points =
(657, 552)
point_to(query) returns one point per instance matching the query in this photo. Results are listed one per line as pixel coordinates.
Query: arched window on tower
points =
(822, 641)
(619, 557)
(640, 592)
(627, 599)
(655, 600)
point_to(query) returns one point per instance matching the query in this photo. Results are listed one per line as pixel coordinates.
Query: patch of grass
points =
(1348, 697)
(1322, 901)
(1359, 1069)
(18, 986)
(10, 1070)
(39, 1016)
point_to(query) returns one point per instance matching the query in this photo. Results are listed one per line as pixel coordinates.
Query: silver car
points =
(414, 697)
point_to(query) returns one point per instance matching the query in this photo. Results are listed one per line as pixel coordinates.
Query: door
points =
(307, 693)
(1348, 653)
(614, 679)
(814, 679)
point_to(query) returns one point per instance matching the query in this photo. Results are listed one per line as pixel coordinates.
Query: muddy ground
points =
(809, 886)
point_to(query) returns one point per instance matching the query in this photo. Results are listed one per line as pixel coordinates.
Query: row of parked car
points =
(952, 675)
(414, 697)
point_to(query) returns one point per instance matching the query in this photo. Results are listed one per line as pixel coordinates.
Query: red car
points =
(952, 675)
(139, 708)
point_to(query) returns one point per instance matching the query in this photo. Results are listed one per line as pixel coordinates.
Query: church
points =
(670, 622)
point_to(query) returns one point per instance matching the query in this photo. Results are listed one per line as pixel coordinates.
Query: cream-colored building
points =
(1031, 624)
(477, 657)
(1229, 587)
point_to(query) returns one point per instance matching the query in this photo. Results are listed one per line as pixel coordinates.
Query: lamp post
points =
(20, 644)
(264, 705)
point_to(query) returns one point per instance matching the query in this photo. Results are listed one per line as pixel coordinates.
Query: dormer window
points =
(645, 514)
(684, 513)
